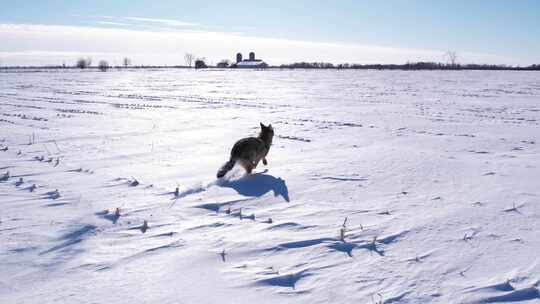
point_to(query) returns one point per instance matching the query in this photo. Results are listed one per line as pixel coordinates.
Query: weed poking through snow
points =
(223, 255)
(53, 194)
(462, 273)
(134, 182)
(387, 212)
(144, 226)
(514, 208)
(4, 177)
(343, 230)
(342, 234)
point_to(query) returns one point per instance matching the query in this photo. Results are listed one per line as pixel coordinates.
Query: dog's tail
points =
(226, 168)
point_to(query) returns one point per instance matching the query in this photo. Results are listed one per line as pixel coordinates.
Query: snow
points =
(432, 175)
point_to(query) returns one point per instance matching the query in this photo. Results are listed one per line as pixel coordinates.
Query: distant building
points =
(251, 63)
(257, 64)
(199, 64)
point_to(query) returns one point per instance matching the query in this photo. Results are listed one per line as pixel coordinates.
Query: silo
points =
(252, 56)
(238, 57)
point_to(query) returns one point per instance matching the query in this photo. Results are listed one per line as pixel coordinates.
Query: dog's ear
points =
(262, 126)
(270, 127)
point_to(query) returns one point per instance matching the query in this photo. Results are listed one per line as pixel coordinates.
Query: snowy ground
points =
(437, 174)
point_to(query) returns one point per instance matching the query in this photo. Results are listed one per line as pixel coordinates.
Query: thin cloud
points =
(143, 22)
(112, 23)
(169, 22)
(102, 16)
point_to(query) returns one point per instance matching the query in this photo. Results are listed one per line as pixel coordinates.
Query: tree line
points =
(104, 66)
(199, 62)
(408, 66)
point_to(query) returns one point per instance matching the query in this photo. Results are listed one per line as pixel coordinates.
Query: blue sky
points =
(493, 31)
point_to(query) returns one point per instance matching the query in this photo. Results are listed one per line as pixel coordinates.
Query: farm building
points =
(252, 62)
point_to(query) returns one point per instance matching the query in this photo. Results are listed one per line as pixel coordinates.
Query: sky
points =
(278, 31)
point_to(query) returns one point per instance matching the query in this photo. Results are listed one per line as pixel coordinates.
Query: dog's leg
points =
(250, 167)
(247, 165)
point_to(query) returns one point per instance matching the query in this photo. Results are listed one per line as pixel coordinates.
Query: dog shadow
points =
(257, 185)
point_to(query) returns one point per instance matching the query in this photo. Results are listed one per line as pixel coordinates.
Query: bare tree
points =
(126, 62)
(451, 57)
(103, 66)
(189, 59)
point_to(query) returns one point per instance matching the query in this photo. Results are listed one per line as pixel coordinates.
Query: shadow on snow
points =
(257, 185)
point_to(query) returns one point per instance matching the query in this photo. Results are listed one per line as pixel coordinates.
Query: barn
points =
(251, 63)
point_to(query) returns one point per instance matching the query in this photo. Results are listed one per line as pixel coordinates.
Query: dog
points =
(249, 151)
